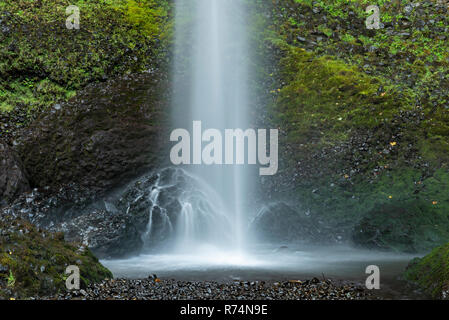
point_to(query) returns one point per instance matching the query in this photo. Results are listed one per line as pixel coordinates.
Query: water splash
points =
(184, 213)
(211, 85)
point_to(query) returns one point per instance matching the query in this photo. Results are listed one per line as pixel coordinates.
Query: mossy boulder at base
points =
(107, 132)
(431, 273)
(33, 261)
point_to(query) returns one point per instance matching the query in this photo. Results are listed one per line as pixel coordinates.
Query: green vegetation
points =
(42, 62)
(364, 131)
(33, 261)
(431, 273)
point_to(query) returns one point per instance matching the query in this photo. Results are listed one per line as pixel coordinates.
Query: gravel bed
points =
(161, 289)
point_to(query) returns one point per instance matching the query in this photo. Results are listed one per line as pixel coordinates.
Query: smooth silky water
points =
(210, 241)
(268, 263)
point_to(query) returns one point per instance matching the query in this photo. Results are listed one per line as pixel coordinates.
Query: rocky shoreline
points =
(161, 289)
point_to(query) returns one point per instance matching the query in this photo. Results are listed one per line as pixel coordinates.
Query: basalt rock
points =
(107, 234)
(13, 180)
(110, 131)
(117, 225)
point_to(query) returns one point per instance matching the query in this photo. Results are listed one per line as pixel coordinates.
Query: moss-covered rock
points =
(363, 129)
(43, 63)
(431, 273)
(33, 261)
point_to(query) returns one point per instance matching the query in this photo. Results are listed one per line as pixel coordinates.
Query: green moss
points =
(146, 16)
(42, 62)
(36, 261)
(363, 130)
(431, 273)
(326, 99)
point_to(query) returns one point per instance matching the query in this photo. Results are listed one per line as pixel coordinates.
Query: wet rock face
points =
(13, 180)
(117, 225)
(99, 224)
(279, 222)
(108, 132)
(106, 233)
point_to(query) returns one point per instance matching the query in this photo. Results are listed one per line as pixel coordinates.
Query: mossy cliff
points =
(431, 273)
(363, 116)
(111, 70)
(43, 63)
(33, 261)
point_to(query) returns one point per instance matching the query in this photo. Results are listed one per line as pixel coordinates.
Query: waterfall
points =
(211, 85)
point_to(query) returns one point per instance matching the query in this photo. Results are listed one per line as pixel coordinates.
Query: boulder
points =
(34, 261)
(110, 131)
(107, 234)
(13, 178)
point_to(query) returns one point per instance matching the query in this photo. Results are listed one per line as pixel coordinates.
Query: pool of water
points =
(207, 263)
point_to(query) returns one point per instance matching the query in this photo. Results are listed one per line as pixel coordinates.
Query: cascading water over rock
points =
(211, 74)
(183, 211)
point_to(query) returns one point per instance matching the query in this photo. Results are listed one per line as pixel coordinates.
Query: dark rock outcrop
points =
(13, 180)
(117, 225)
(108, 132)
(106, 233)
(83, 218)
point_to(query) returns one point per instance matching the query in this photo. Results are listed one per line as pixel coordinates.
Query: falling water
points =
(200, 212)
(210, 85)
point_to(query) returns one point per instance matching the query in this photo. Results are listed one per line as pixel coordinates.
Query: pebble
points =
(150, 289)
